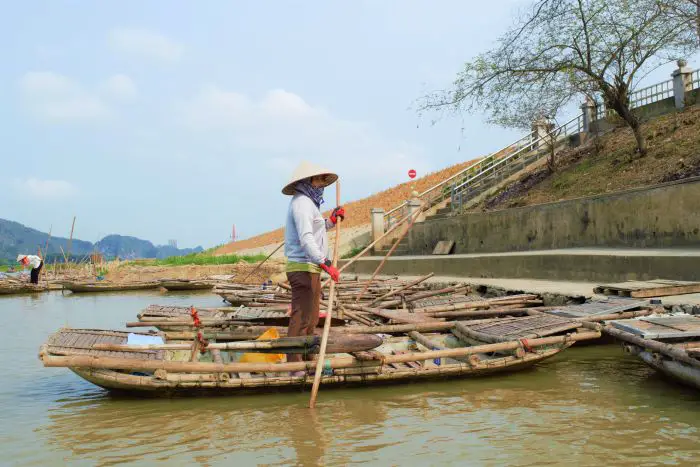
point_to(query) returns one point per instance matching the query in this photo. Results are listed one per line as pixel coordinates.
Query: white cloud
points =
(45, 189)
(119, 86)
(144, 43)
(283, 129)
(55, 97)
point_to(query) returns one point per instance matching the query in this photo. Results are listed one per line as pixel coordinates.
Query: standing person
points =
(35, 262)
(306, 247)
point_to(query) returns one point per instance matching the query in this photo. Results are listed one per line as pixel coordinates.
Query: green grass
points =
(352, 253)
(202, 259)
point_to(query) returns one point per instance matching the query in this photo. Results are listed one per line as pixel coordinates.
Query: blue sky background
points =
(175, 120)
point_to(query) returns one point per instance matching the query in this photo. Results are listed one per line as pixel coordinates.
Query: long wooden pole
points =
(388, 254)
(70, 239)
(327, 322)
(369, 247)
(46, 247)
(263, 262)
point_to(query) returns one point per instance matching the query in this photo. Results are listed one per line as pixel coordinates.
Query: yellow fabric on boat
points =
(256, 357)
(293, 266)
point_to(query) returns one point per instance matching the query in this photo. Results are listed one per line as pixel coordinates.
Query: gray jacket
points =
(305, 238)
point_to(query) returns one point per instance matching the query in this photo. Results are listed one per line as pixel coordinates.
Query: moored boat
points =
(669, 344)
(106, 358)
(172, 285)
(105, 286)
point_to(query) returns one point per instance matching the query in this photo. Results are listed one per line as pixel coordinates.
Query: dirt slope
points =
(358, 211)
(673, 153)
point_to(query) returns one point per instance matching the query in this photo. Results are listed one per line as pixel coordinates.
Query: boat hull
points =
(679, 371)
(216, 384)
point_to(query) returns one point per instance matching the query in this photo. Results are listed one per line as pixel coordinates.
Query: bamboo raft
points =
(105, 359)
(669, 344)
(90, 287)
(172, 285)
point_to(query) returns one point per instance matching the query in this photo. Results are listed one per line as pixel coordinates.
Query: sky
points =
(178, 119)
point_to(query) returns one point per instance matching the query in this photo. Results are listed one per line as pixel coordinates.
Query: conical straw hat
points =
(307, 170)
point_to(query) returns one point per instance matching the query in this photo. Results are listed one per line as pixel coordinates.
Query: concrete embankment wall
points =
(662, 216)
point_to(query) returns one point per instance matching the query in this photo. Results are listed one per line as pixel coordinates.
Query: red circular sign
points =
(412, 173)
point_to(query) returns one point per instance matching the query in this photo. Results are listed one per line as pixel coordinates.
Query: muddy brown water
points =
(587, 406)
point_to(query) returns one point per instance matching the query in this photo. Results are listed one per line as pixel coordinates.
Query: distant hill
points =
(132, 247)
(16, 238)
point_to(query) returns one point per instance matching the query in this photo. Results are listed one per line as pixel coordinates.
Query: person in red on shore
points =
(306, 247)
(35, 262)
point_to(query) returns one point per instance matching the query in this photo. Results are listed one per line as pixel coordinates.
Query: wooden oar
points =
(262, 262)
(329, 310)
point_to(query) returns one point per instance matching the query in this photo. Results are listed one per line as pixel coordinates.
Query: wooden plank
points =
(660, 328)
(602, 307)
(647, 289)
(665, 291)
(444, 247)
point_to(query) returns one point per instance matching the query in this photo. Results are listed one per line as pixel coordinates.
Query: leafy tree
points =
(562, 49)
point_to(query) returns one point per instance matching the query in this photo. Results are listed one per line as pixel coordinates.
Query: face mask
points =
(315, 193)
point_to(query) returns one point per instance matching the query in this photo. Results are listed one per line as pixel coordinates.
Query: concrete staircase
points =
(401, 249)
(493, 181)
(449, 196)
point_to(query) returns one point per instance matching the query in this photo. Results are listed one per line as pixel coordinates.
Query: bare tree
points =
(686, 12)
(560, 49)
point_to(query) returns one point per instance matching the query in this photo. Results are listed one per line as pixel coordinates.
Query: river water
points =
(587, 406)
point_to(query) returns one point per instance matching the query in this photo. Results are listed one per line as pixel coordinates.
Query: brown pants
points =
(306, 303)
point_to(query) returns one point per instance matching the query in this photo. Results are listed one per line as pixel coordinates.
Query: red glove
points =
(337, 212)
(332, 271)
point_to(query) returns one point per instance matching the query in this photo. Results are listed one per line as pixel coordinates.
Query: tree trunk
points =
(618, 100)
(641, 144)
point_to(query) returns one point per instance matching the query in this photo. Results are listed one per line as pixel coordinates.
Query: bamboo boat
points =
(172, 285)
(669, 344)
(16, 287)
(90, 287)
(105, 359)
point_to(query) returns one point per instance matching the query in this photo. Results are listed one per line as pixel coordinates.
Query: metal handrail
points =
(578, 118)
(452, 177)
(524, 141)
(695, 79)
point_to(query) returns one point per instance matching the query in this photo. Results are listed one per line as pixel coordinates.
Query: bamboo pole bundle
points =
(453, 289)
(389, 253)
(405, 287)
(91, 361)
(369, 247)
